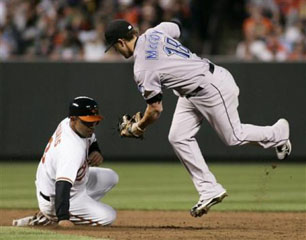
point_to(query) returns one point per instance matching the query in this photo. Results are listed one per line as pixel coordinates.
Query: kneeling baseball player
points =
(68, 186)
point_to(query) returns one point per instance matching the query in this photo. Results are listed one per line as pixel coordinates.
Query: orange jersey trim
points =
(64, 179)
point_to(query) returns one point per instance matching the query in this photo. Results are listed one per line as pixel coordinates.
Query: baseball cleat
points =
(284, 150)
(203, 206)
(21, 222)
(38, 219)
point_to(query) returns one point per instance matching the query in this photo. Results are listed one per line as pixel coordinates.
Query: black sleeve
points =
(94, 147)
(156, 98)
(178, 22)
(62, 197)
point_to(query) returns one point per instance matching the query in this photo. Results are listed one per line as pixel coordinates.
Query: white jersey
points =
(163, 62)
(65, 158)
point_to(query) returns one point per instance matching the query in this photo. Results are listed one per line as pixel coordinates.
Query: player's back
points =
(157, 52)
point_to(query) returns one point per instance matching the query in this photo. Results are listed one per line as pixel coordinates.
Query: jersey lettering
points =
(82, 171)
(151, 54)
(175, 47)
(58, 135)
(46, 150)
(153, 40)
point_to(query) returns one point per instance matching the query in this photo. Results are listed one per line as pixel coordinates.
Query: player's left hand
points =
(95, 159)
(129, 126)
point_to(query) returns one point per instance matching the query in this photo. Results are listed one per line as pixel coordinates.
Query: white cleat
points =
(38, 219)
(284, 150)
(22, 222)
(203, 206)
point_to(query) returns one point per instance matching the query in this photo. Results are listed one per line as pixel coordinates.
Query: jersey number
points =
(175, 47)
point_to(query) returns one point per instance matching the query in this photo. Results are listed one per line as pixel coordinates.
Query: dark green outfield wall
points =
(34, 97)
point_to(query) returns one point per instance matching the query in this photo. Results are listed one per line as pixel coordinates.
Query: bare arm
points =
(151, 114)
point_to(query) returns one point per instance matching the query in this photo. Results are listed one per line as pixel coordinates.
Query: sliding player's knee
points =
(111, 176)
(109, 217)
(114, 178)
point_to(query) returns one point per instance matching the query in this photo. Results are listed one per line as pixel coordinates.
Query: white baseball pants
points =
(85, 206)
(217, 103)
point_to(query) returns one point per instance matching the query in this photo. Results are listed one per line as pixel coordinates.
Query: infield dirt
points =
(166, 225)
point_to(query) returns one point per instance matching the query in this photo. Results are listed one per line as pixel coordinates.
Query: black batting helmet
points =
(85, 108)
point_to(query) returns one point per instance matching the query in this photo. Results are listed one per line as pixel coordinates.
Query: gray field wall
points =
(34, 97)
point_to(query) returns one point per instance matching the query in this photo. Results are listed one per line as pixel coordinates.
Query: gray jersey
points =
(163, 62)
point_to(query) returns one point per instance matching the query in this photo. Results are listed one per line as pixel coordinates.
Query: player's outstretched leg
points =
(223, 116)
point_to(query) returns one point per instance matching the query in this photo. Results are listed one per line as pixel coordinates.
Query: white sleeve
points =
(69, 160)
(93, 138)
(170, 28)
(148, 84)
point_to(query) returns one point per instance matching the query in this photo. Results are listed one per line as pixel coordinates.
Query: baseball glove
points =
(128, 126)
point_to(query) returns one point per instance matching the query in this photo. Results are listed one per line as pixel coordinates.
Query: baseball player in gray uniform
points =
(68, 185)
(204, 90)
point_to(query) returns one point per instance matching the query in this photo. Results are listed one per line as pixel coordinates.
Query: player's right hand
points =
(65, 224)
(95, 159)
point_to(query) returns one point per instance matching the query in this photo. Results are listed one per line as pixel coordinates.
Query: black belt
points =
(211, 67)
(44, 196)
(194, 92)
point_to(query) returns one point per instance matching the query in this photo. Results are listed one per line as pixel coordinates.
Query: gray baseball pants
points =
(217, 102)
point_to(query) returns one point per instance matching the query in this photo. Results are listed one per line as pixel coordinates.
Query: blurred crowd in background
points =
(73, 30)
(274, 30)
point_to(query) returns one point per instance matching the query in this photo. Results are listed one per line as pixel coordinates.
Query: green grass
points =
(20, 233)
(251, 187)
